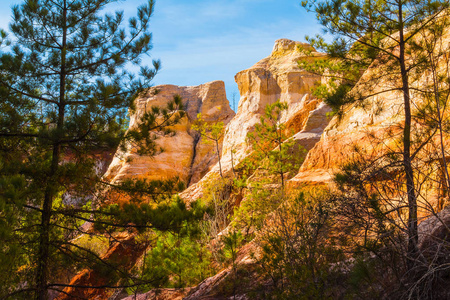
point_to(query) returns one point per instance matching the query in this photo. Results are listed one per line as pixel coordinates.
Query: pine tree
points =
(66, 88)
(271, 145)
(272, 157)
(383, 34)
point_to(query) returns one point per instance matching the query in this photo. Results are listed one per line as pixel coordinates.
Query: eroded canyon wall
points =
(276, 77)
(185, 154)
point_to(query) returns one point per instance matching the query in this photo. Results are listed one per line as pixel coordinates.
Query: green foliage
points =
(232, 241)
(14, 256)
(175, 260)
(260, 201)
(340, 76)
(231, 244)
(143, 190)
(217, 193)
(153, 124)
(299, 249)
(168, 215)
(272, 148)
(363, 34)
(212, 132)
(93, 243)
(273, 158)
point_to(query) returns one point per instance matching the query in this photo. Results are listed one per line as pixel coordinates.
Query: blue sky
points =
(204, 40)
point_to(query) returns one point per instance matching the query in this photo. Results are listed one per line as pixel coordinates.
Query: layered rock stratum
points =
(358, 127)
(184, 155)
(373, 126)
(276, 77)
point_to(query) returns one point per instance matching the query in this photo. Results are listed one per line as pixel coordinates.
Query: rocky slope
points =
(185, 154)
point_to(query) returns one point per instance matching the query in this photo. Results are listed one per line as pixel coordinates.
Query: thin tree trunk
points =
(281, 165)
(218, 155)
(44, 235)
(232, 163)
(409, 173)
(51, 190)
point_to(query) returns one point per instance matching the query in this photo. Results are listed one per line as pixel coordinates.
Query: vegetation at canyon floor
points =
(66, 88)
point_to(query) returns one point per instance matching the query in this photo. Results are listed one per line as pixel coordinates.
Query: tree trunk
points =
(44, 234)
(218, 156)
(51, 189)
(407, 164)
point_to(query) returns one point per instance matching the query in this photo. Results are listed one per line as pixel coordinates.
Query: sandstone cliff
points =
(185, 155)
(273, 78)
(373, 126)
(362, 126)
(276, 77)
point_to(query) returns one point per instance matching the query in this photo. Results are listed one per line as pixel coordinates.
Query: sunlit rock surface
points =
(185, 155)
(276, 77)
(374, 126)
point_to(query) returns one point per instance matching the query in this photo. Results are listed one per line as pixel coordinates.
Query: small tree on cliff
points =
(271, 146)
(66, 89)
(380, 33)
(272, 157)
(213, 133)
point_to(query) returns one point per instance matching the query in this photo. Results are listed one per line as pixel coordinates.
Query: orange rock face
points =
(185, 155)
(363, 127)
(276, 77)
(373, 126)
